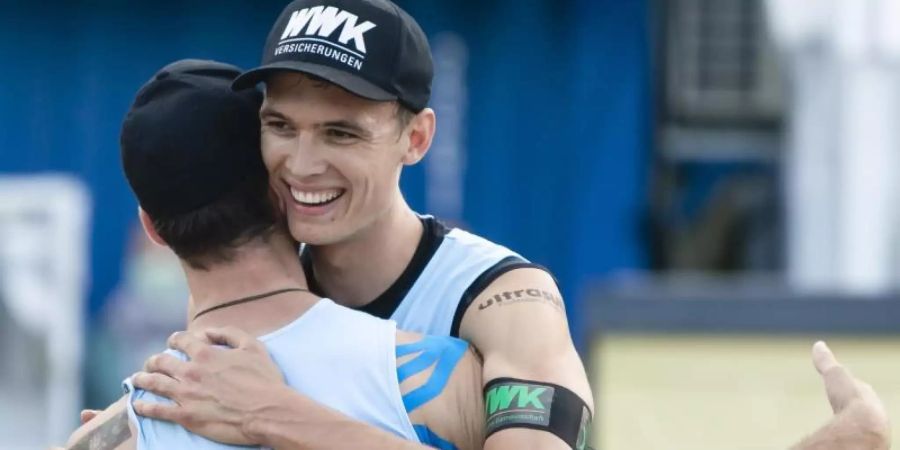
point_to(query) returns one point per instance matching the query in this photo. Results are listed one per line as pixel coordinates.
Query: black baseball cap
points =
(188, 138)
(371, 48)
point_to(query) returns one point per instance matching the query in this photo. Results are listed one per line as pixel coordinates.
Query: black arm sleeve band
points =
(515, 403)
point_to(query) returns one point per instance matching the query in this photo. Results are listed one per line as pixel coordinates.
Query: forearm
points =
(852, 429)
(288, 425)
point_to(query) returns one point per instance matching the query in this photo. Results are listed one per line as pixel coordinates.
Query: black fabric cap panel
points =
(188, 138)
(372, 43)
(346, 80)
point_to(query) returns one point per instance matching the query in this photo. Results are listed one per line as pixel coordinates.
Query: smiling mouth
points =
(316, 198)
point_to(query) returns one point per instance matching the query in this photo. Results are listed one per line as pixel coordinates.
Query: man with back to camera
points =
(347, 87)
(190, 151)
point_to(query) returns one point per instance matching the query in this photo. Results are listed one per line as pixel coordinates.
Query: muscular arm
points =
(109, 430)
(518, 324)
(296, 422)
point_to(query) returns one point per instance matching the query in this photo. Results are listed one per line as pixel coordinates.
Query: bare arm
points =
(108, 430)
(238, 396)
(456, 414)
(296, 422)
(519, 325)
(859, 422)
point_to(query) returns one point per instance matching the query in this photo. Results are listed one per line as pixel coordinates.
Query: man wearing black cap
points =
(190, 151)
(347, 88)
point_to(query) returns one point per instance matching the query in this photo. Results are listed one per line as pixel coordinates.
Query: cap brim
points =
(344, 79)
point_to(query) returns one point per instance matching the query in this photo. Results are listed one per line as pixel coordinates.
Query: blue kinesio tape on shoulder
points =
(430, 438)
(418, 364)
(442, 352)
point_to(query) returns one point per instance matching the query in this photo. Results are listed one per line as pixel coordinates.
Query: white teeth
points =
(315, 198)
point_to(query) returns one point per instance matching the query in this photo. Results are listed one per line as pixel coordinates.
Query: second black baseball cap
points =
(188, 139)
(371, 48)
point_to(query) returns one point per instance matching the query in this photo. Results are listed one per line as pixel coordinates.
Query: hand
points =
(88, 414)
(217, 390)
(860, 418)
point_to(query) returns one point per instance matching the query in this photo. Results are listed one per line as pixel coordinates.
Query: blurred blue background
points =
(557, 127)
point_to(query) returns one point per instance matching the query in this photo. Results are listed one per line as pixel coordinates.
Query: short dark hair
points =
(212, 233)
(404, 115)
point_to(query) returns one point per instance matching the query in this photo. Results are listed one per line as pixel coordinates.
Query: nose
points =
(307, 159)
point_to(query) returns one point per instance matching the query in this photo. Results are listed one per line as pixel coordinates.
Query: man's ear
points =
(421, 134)
(147, 224)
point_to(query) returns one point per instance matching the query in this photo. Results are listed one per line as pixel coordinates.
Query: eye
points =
(340, 135)
(277, 125)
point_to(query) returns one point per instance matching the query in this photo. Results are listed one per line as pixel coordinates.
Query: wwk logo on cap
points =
(370, 48)
(324, 22)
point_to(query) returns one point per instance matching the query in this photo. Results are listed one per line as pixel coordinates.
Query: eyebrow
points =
(268, 111)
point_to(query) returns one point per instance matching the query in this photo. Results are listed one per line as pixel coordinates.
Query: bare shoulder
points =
(518, 288)
(443, 362)
(440, 380)
(109, 430)
(407, 337)
(521, 301)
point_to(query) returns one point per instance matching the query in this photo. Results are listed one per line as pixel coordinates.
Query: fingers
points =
(166, 364)
(823, 358)
(840, 385)
(232, 337)
(156, 383)
(191, 344)
(169, 413)
(88, 414)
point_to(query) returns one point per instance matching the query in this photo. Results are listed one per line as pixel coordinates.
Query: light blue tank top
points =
(339, 357)
(433, 301)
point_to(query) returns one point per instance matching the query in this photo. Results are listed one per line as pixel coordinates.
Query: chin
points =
(315, 234)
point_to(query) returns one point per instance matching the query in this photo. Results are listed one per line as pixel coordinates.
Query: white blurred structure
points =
(843, 148)
(43, 271)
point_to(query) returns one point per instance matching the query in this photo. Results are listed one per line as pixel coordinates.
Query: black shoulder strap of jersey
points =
(385, 304)
(306, 264)
(483, 281)
(388, 301)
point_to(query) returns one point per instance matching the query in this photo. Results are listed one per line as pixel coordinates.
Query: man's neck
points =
(355, 272)
(256, 269)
